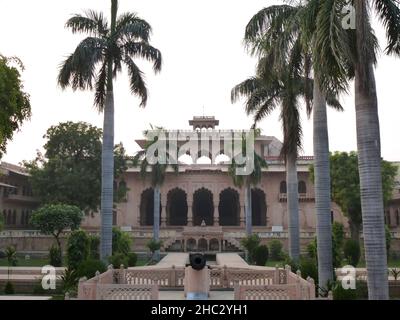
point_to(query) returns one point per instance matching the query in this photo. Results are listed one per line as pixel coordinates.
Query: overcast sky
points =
(204, 58)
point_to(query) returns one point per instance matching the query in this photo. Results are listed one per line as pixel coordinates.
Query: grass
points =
(42, 262)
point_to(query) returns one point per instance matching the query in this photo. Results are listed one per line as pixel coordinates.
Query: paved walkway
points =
(179, 295)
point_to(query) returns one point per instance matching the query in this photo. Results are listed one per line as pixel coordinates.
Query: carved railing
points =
(249, 283)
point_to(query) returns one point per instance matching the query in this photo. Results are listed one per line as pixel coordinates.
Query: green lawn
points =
(42, 262)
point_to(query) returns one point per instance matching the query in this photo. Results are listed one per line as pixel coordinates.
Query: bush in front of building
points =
(275, 249)
(55, 256)
(352, 252)
(77, 248)
(89, 267)
(250, 243)
(94, 246)
(261, 255)
(121, 242)
(9, 288)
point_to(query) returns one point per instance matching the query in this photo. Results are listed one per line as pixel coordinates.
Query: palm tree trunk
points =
(369, 162)
(248, 210)
(293, 207)
(156, 223)
(107, 158)
(322, 188)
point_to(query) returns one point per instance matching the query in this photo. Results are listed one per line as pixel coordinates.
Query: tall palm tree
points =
(264, 93)
(279, 27)
(361, 51)
(248, 181)
(157, 172)
(95, 63)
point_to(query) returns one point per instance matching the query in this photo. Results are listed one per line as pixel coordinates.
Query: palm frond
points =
(137, 83)
(92, 22)
(101, 88)
(78, 69)
(144, 50)
(131, 28)
(388, 12)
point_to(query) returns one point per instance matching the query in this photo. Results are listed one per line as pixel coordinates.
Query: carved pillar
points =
(163, 210)
(216, 213)
(190, 210)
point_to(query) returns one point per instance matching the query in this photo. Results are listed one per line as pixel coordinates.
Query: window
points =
(302, 187)
(387, 221)
(398, 217)
(332, 217)
(282, 187)
(114, 218)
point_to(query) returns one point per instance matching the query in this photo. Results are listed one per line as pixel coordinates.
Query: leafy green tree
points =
(250, 243)
(154, 246)
(345, 188)
(121, 242)
(78, 248)
(70, 170)
(14, 102)
(54, 219)
(95, 63)
(352, 251)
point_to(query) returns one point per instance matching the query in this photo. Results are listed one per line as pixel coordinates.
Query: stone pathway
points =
(179, 295)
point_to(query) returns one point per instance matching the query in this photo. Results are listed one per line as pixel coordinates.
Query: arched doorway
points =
(229, 208)
(147, 207)
(214, 245)
(177, 208)
(259, 207)
(202, 245)
(203, 207)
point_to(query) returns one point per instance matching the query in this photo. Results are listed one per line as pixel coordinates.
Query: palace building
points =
(201, 208)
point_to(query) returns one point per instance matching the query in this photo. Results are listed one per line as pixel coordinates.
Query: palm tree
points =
(247, 181)
(264, 93)
(275, 29)
(95, 63)
(361, 52)
(158, 172)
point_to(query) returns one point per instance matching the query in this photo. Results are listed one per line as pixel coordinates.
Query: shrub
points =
(118, 259)
(121, 242)
(9, 288)
(294, 266)
(309, 268)
(89, 267)
(339, 293)
(77, 248)
(11, 255)
(352, 252)
(275, 248)
(312, 249)
(132, 259)
(94, 245)
(388, 237)
(69, 280)
(261, 255)
(338, 233)
(55, 256)
(251, 243)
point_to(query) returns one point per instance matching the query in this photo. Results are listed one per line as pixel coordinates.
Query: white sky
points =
(201, 42)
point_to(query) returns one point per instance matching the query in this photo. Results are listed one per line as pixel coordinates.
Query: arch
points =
(202, 245)
(14, 217)
(185, 159)
(203, 207)
(222, 158)
(5, 216)
(398, 217)
(214, 245)
(259, 207)
(147, 207)
(177, 208)
(229, 208)
(191, 244)
(283, 187)
(302, 187)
